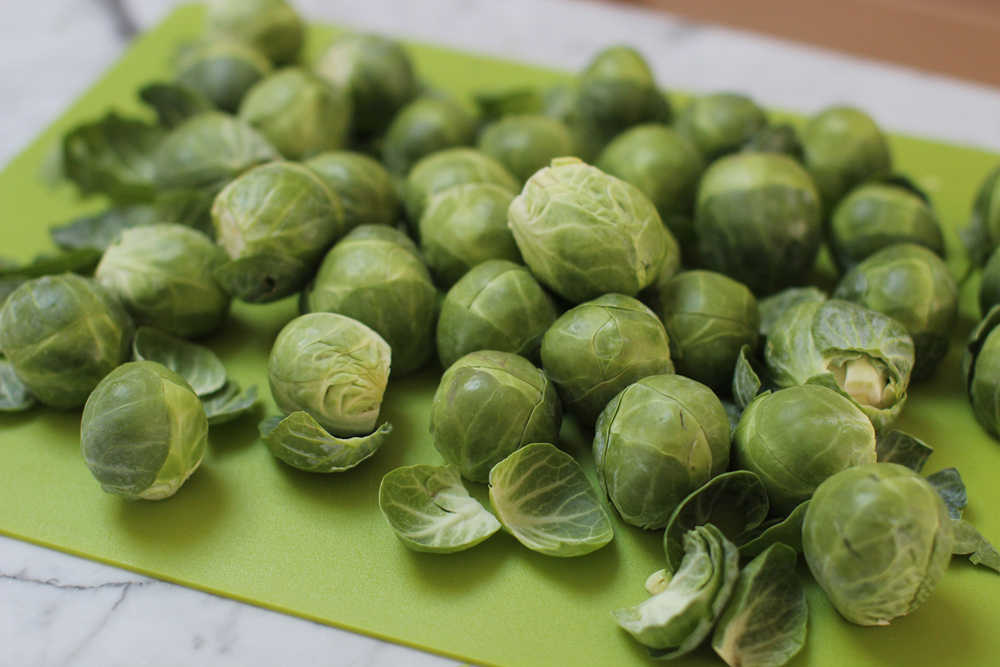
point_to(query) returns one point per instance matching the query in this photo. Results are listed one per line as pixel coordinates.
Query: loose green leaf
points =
(14, 395)
(970, 541)
(173, 103)
(98, 231)
(195, 363)
(746, 380)
(787, 531)
(302, 443)
(80, 261)
(949, 484)
(229, 403)
(904, 449)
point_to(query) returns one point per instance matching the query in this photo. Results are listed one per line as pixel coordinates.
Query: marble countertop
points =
(57, 609)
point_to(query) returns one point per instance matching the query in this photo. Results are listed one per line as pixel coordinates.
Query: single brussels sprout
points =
(275, 222)
(617, 90)
(198, 365)
(584, 233)
(272, 26)
(301, 442)
(488, 405)
(989, 287)
(332, 367)
(757, 220)
(526, 143)
(375, 276)
(720, 123)
(366, 190)
(143, 432)
(424, 126)
(665, 166)
(891, 545)
(498, 305)
(982, 235)
(776, 139)
(843, 148)
(708, 317)
(912, 285)
(981, 371)
(598, 348)
(62, 334)
(562, 103)
(861, 353)
(222, 71)
(657, 441)
(877, 215)
(797, 437)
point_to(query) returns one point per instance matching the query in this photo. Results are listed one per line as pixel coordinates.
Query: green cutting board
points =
(248, 527)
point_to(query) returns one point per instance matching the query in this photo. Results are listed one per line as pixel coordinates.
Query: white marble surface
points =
(56, 609)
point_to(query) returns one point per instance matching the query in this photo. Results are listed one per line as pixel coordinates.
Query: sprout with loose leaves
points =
(720, 123)
(272, 26)
(424, 126)
(364, 187)
(525, 143)
(222, 71)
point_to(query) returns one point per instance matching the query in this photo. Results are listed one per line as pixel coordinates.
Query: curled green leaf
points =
(195, 363)
(173, 103)
(948, 483)
(969, 541)
(229, 403)
(904, 449)
(746, 379)
(787, 531)
(302, 443)
(100, 230)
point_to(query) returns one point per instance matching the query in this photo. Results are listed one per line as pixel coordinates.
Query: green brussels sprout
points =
(617, 90)
(144, 432)
(378, 74)
(487, 406)
(526, 143)
(720, 123)
(982, 235)
(891, 545)
(366, 190)
(332, 367)
(912, 285)
(657, 441)
(424, 126)
(757, 220)
(665, 166)
(562, 103)
(375, 275)
(876, 215)
(164, 275)
(498, 305)
(981, 371)
(299, 113)
(275, 222)
(708, 317)
(842, 148)
(272, 26)
(598, 348)
(989, 287)
(222, 71)
(797, 437)
(584, 233)
(776, 139)
(62, 334)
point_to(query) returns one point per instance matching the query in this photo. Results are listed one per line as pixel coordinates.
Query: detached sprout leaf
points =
(195, 363)
(14, 395)
(229, 403)
(904, 449)
(302, 443)
(970, 541)
(81, 261)
(949, 485)
(746, 380)
(99, 231)
(787, 531)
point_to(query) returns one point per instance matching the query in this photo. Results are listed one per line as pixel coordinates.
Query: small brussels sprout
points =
(720, 123)
(981, 371)
(272, 26)
(657, 441)
(584, 233)
(912, 285)
(989, 287)
(332, 367)
(617, 90)
(498, 305)
(488, 405)
(877, 215)
(891, 545)
(598, 348)
(982, 235)
(665, 166)
(422, 127)
(757, 220)
(375, 276)
(143, 432)
(300, 441)
(62, 334)
(222, 71)
(366, 190)
(526, 143)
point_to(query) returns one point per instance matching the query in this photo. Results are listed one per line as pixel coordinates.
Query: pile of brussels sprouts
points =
(581, 252)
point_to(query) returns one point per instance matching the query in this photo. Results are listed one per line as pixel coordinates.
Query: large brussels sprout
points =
(487, 406)
(526, 143)
(422, 127)
(708, 317)
(300, 113)
(617, 90)
(797, 437)
(912, 285)
(62, 334)
(720, 123)
(657, 441)
(332, 367)
(364, 186)
(498, 305)
(981, 371)
(758, 220)
(375, 276)
(222, 71)
(584, 233)
(598, 348)
(143, 431)
(272, 26)
(877, 539)
(164, 275)
(982, 235)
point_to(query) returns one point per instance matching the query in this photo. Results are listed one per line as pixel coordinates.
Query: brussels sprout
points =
(488, 405)
(275, 222)
(198, 365)
(562, 103)
(222, 71)
(598, 348)
(544, 499)
(584, 233)
(981, 371)
(375, 276)
(842, 148)
(422, 127)
(776, 139)
(657, 441)
(989, 287)
(912, 285)
(62, 334)
(299, 441)
(892, 542)
(797, 437)
(720, 123)
(498, 305)
(332, 367)
(526, 143)
(495, 104)
(877, 215)
(272, 26)
(983, 233)
(617, 90)
(665, 166)
(757, 220)
(300, 113)
(143, 432)
(366, 191)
